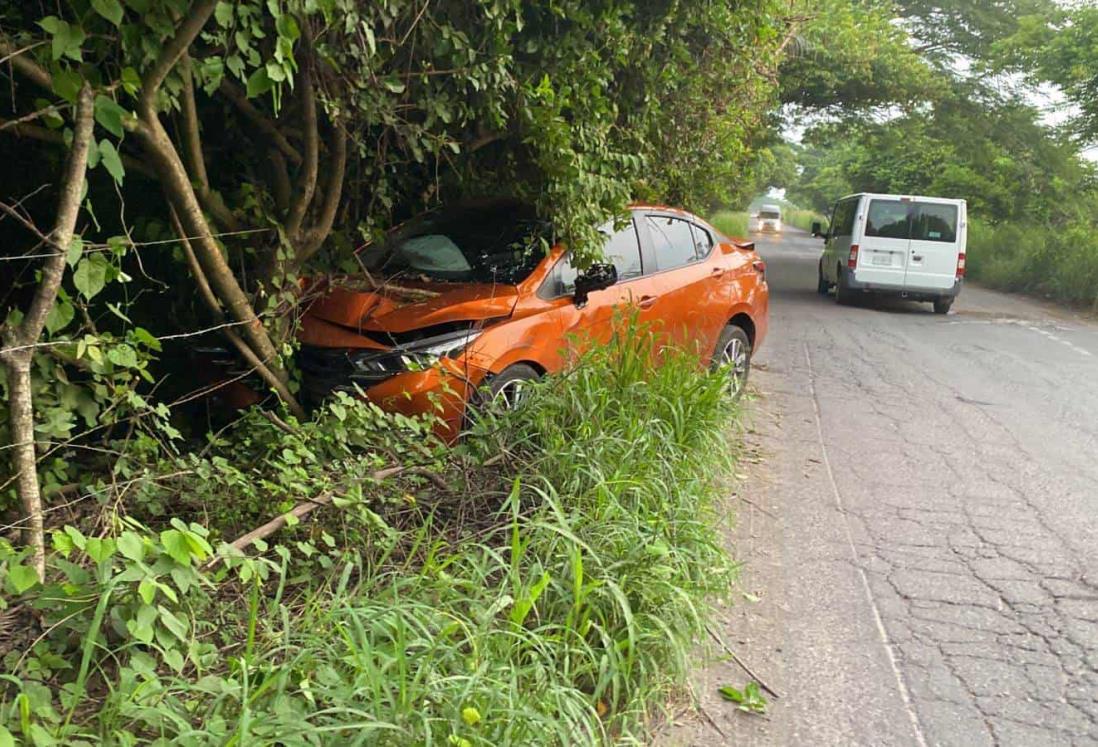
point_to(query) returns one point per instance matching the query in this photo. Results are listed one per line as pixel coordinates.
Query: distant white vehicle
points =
(769, 218)
(912, 247)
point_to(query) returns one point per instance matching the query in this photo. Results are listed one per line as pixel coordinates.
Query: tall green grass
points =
(552, 601)
(731, 223)
(803, 219)
(1054, 262)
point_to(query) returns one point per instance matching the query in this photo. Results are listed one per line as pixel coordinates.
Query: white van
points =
(913, 247)
(770, 218)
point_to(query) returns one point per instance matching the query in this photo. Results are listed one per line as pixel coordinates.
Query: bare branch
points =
(259, 119)
(333, 192)
(27, 67)
(34, 132)
(280, 181)
(309, 169)
(185, 34)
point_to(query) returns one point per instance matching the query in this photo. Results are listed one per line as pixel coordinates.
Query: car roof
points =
(907, 198)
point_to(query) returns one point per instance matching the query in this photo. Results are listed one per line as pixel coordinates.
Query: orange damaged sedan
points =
(465, 299)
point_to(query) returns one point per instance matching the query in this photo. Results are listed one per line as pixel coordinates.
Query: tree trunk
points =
(19, 353)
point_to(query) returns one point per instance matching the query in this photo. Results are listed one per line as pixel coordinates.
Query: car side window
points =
(703, 241)
(623, 249)
(672, 241)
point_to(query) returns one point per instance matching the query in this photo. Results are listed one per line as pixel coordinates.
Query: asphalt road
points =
(921, 525)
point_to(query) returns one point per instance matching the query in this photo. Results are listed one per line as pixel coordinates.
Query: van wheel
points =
(822, 286)
(509, 387)
(734, 351)
(842, 293)
(942, 305)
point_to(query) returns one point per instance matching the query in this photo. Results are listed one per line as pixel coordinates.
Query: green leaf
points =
(66, 39)
(110, 115)
(141, 6)
(141, 626)
(147, 590)
(730, 693)
(223, 14)
(93, 153)
(131, 546)
(6, 739)
(59, 317)
(394, 84)
(146, 338)
(66, 83)
(90, 276)
(111, 160)
(259, 83)
(175, 544)
(109, 9)
(131, 81)
(99, 549)
(76, 248)
(176, 626)
(22, 577)
(123, 356)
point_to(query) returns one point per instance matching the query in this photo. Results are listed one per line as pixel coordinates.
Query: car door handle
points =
(646, 302)
(717, 272)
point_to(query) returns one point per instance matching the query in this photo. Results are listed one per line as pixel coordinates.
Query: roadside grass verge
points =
(731, 223)
(803, 219)
(551, 596)
(1057, 263)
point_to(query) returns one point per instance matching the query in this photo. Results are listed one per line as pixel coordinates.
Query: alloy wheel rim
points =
(512, 393)
(734, 356)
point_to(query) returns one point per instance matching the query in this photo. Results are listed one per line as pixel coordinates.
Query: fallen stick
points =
(740, 661)
(298, 511)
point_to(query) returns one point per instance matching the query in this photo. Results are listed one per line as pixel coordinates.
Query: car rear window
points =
(934, 222)
(888, 219)
(770, 215)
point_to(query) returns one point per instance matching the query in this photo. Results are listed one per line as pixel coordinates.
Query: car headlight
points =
(449, 345)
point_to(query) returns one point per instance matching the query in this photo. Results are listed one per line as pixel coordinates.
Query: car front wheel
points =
(734, 352)
(822, 286)
(509, 387)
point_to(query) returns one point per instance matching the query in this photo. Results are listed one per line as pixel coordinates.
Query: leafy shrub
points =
(731, 223)
(546, 601)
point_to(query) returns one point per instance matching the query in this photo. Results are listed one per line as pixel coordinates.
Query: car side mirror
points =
(598, 276)
(817, 228)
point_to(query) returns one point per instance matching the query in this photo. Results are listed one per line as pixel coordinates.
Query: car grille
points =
(327, 370)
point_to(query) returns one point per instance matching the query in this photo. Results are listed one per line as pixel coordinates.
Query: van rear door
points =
(936, 235)
(885, 243)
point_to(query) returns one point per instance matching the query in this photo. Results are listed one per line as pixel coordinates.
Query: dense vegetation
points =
(955, 115)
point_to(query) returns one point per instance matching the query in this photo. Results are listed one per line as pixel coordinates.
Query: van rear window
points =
(935, 223)
(888, 219)
(770, 215)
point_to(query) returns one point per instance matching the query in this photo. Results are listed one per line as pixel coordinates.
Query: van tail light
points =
(852, 260)
(961, 265)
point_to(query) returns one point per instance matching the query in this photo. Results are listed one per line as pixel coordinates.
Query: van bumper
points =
(914, 293)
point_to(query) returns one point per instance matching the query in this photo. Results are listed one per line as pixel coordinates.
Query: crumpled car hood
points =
(412, 306)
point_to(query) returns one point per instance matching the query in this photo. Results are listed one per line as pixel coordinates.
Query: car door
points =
(685, 287)
(885, 243)
(935, 237)
(840, 237)
(593, 323)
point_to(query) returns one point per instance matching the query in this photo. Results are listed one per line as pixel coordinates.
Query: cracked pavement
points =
(922, 530)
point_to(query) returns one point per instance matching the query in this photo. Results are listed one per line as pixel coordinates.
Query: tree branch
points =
(27, 67)
(312, 149)
(19, 353)
(35, 132)
(185, 34)
(259, 119)
(192, 143)
(333, 192)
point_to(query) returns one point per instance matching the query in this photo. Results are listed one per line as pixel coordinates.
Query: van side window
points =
(672, 242)
(888, 219)
(935, 223)
(842, 220)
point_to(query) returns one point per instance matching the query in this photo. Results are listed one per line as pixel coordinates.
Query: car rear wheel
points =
(509, 387)
(822, 286)
(842, 292)
(942, 305)
(734, 351)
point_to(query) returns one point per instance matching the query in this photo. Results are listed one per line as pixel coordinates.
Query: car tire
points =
(734, 347)
(942, 305)
(843, 295)
(822, 286)
(509, 382)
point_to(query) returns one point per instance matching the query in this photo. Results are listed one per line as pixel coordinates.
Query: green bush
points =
(803, 219)
(1053, 262)
(547, 599)
(731, 223)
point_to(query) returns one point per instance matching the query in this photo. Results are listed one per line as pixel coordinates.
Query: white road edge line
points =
(885, 641)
